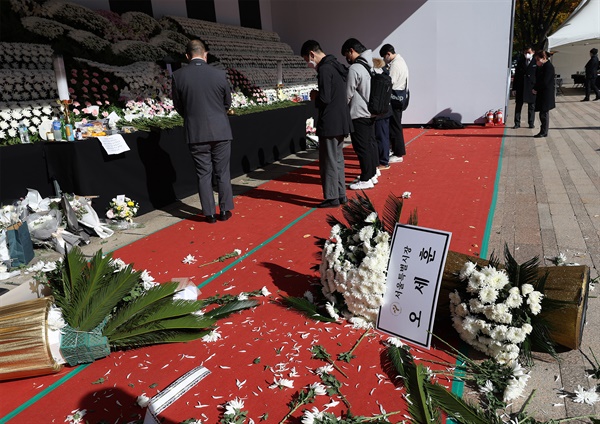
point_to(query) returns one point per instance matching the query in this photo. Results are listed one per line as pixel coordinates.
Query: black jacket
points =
(591, 68)
(524, 80)
(544, 86)
(334, 114)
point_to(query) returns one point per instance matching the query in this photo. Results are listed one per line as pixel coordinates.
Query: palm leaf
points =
(414, 377)
(391, 212)
(158, 337)
(310, 309)
(454, 406)
(184, 323)
(140, 304)
(413, 218)
(63, 288)
(357, 210)
(230, 308)
(519, 274)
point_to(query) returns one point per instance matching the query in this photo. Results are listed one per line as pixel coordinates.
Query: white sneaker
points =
(361, 185)
(396, 159)
(374, 180)
(377, 172)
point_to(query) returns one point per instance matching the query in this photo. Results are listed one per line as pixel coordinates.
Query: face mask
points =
(312, 64)
(528, 56)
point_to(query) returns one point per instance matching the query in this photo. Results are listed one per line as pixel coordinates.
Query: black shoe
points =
(516, 126)
(329, 203)
(211, 219)
(597, 98)
(540, 135)
(587, 99)
(532, 126)
(224, 215)
(343, 200)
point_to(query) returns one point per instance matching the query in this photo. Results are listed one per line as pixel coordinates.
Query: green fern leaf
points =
(158, 337)
(230, 308)
(184, 323)
(310, 309)
(64, 288)
(454, 406)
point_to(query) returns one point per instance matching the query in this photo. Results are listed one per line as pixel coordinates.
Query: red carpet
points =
(451, 177)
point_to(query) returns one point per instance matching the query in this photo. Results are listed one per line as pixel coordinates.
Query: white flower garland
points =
(492, 315)
(354, 265)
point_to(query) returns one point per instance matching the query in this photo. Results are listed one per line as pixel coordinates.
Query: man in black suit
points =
(591, 73)
(523, 83)
(201, 94)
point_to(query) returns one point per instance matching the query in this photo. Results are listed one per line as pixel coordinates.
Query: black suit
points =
(591, 73)
(523, 83)
(545, 98)
(201, 94)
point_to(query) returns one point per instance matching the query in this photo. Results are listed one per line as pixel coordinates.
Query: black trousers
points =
(530, 112)
(396, 133)
(382, 135)
(365, 146)
(590, 84)
(545, 120)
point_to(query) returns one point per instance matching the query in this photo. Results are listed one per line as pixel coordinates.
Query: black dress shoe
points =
(597, 98)
(211, 219)
(329, 203)
(532, 126)
(224, 215)
(540, 135)
(516, 126)
(343, 200)
(585, 100)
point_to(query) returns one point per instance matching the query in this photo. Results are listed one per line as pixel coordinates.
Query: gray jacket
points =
(358, 87)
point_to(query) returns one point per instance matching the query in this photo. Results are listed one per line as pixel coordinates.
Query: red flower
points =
(86, 82)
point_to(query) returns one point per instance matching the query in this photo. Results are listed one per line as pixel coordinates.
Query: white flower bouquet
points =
(495, 313)
(354, 259)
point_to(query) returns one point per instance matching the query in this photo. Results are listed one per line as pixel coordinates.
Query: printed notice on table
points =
(415, 269)
(114, 144)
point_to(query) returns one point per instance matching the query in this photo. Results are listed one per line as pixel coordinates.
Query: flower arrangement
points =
(122, 208)
(25, 56)
(495, 313)
(25, 84)
(355, 256)
(30, 113)
(143, 25)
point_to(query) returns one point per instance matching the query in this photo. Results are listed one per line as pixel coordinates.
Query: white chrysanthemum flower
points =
(118, 264)
(264, 291)
(282, 383)
(189, 259)
(406, 195)
(589, 397)
(233, 406)
(331, 311)
(238, 252)
(55, 318)
(213, 336)
(242, 296)
(526, 289)
(76, 416)
(467, 270)
(488, 387)
(318, 388)
(325, 369)
(488, 294)
(395, 342)
(143, 400)
(309, 296)
(371, 218)
(309, 417)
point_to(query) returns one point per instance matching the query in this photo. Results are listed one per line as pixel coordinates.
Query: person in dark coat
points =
(201, 94)
(544, 91)
(523, 83)
(333, 121)
(591, 73)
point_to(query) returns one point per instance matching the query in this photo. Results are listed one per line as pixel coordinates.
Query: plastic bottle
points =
(24, 133)
(56, 129)
(63, 132)
(69, 132)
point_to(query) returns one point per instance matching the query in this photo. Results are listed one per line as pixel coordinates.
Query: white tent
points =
(574, 39)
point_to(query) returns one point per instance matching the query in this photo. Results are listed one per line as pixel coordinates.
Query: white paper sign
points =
(114, 144)
(415, 269)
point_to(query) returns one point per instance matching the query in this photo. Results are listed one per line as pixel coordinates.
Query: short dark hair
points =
(542, 54)
(196, 47)
(310, 46)
(594, 51)
(385, 49)
(527, 48)
(354, 44)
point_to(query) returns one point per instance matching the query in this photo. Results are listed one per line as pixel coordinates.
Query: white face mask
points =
(528, 56)
(312, 64)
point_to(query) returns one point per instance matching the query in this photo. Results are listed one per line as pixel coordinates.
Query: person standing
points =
(544, 91)
(523, 83)
(333, 121)
(358, 90)
(382, 125)
(399, 73)
(201, 94)
(591, 74)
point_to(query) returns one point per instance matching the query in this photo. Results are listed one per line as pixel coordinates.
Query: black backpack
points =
(381, 90)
